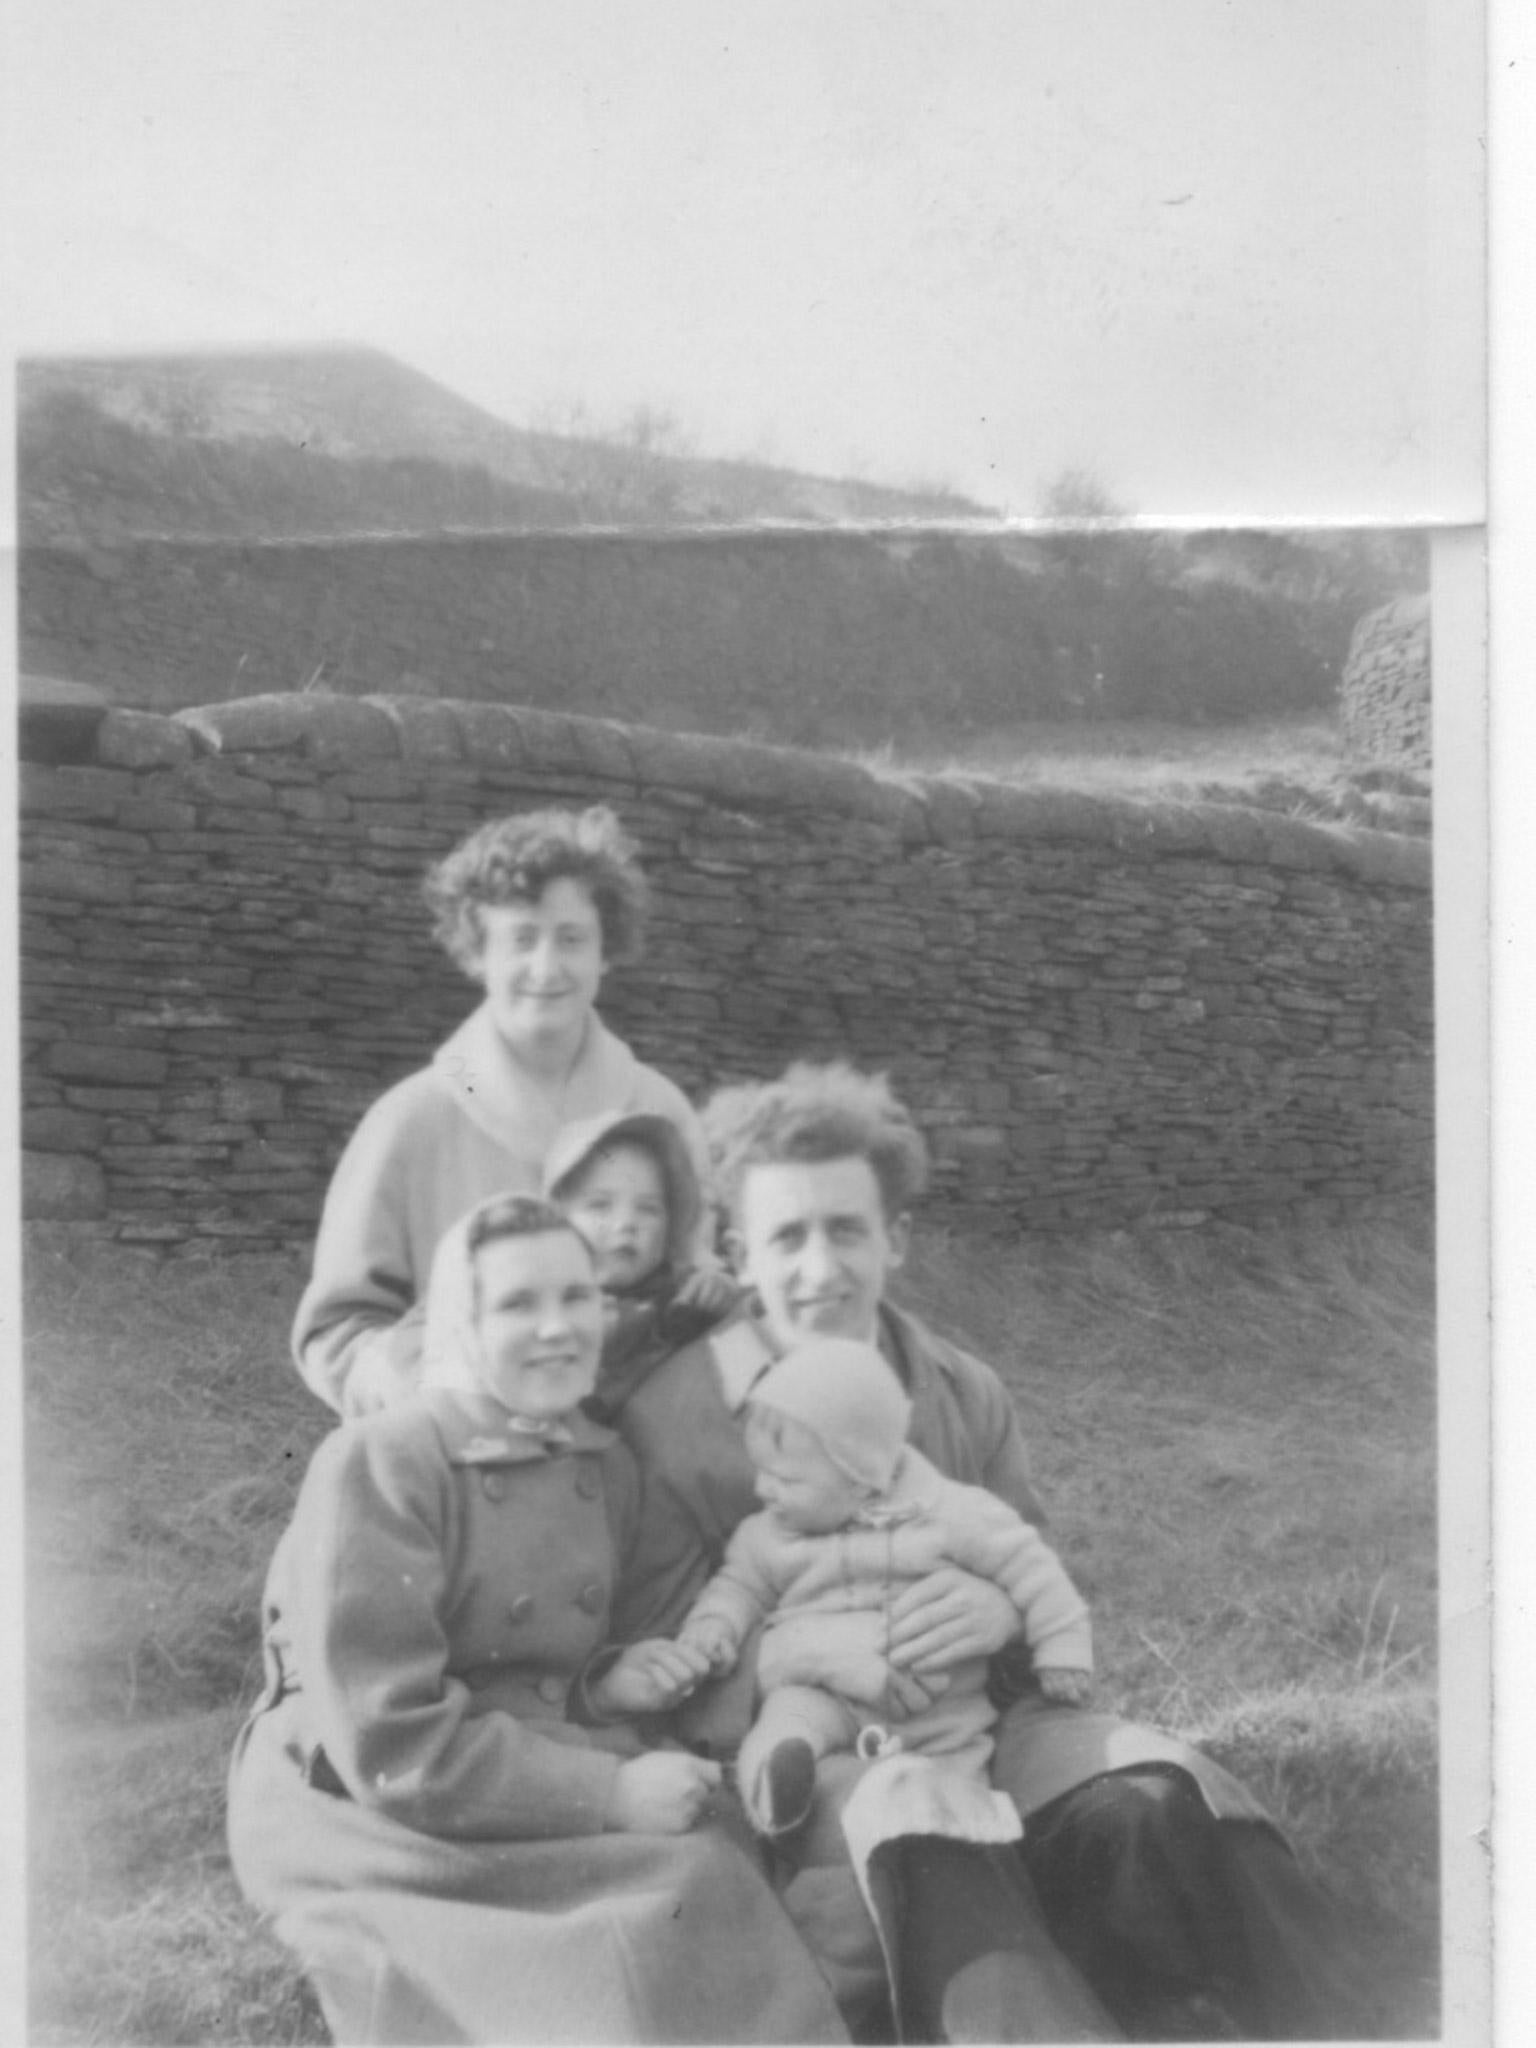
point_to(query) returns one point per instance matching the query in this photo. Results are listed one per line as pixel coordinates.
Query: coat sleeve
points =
(998, 1442)
(746, 1588)
(371, 1651)
(692, 1494)
(987, 1538)
(357, 1336)
(669, 1563)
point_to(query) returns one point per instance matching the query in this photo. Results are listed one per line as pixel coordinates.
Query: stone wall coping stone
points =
(948, 810)
(142, 739)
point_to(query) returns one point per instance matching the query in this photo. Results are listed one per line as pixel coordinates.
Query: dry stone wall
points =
(1103, 1012)
(1384, 692)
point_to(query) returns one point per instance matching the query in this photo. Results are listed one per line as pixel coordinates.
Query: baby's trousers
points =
(832, 1724)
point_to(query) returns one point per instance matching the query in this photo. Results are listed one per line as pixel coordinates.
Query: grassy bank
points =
(1298, 766)
(1234, 1432)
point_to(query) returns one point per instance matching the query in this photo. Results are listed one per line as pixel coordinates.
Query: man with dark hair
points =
(1153, 1876)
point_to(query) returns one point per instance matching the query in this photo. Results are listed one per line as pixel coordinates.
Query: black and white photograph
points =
(751, 791)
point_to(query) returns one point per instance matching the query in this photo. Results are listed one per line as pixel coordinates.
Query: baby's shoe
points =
(785, 1790)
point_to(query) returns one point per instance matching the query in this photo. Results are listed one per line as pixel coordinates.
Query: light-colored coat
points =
(470, 1126)
(413, 1802)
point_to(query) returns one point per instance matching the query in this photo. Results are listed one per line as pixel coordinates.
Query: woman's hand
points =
(661, 1793)
(648, 1678)
(946, 1617)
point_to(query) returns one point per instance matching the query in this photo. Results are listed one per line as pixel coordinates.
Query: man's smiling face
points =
(813, 1238)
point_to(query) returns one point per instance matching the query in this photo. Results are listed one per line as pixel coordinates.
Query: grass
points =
(1234, 1431)
(1298, 766)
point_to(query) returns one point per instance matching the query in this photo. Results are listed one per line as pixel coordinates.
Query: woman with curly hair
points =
(534, 908)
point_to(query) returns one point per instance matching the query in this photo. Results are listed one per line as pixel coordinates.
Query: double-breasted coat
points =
(416, 1799)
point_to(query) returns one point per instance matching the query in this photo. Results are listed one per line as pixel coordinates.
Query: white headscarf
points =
(452, 1354)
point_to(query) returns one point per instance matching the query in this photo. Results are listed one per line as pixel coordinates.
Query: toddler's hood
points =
(577, 1143)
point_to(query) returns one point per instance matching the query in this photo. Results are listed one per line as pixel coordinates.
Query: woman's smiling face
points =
(539, 1322)
(541, 964)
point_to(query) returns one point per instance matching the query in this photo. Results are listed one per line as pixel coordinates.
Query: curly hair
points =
(514, 860)
(815, 1113)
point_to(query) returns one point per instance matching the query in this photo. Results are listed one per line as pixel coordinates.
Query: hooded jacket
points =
(646, 1322)
(577, 1145)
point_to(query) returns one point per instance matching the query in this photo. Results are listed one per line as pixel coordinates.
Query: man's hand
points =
(649, 1678)
(947, 1617)
(1066, 1688)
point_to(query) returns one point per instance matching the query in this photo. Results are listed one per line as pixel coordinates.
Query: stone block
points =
(314, 806)
(71, 792)
(116, 1101)
(128, 1064)
(79, 881)
(427, 730)
(492, 735)
(603, 746)
(157, 816)
(142, 739)
(242, 1101)
(250, 724)
(60, 1187)
(51, 1127)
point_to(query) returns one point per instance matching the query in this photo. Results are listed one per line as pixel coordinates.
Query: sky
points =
(1221, 254)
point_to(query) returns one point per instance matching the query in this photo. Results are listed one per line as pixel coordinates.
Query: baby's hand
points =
(710, 1289)
(1066, 1688)
(713, 1640)
(649, 1678)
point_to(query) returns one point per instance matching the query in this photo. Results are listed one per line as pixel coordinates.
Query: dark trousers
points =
(1128, 1911)
(1177, 1919)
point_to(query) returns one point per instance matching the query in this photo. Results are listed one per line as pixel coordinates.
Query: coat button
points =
(551, 1689)
(521, 1607)
(588, 1484)
(494, 1485)
(592, 1599)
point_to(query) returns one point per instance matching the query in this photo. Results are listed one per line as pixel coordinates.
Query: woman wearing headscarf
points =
(438, 1799)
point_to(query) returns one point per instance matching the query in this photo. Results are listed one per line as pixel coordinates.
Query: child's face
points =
(796, 1481)
(620, 1207)
(540, 1322)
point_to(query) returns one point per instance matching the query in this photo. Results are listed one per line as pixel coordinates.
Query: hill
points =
(194, 527)
(298, 444)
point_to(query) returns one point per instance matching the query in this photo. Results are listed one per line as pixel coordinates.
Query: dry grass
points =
(1297, 766)
(1234, 1431)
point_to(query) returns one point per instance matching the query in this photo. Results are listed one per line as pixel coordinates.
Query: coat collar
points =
(484, 1077)
(743, 1350)
(475, 1431)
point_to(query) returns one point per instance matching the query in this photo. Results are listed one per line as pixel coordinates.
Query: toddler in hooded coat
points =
(628, 1184)
(852, 1516)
